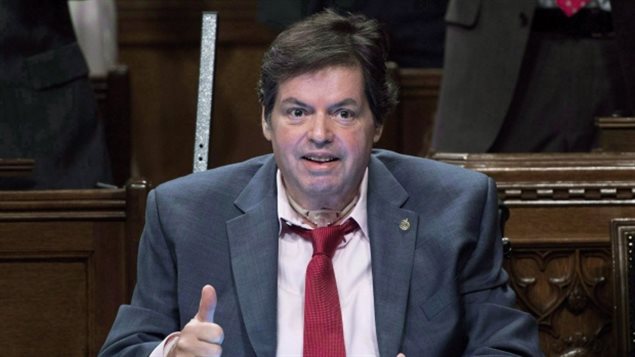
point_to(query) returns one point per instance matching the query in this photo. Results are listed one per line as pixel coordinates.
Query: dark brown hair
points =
(328, 39)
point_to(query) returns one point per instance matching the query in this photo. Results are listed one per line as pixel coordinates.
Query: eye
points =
(345, 115)
(296, 113)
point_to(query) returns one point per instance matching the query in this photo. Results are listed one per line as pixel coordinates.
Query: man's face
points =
(322, 132)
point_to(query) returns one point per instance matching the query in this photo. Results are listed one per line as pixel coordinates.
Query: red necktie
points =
(570, 7)
(323, 331)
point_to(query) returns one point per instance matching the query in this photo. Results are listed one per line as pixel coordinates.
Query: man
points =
(47, 107)
(418, 269)
(527, 76)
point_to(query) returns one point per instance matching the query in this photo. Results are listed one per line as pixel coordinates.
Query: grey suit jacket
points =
(439, 289)
(485, 45)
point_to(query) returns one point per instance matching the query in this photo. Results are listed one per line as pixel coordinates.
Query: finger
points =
(207, 305)
(401, 355)
(192, 347)
(210, 332)
(207, 350)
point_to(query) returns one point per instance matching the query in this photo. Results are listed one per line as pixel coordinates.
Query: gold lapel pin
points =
(404, 225)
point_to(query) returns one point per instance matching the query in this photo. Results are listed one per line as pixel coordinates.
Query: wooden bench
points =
(16, 167)
(616, 133)
(67, 261)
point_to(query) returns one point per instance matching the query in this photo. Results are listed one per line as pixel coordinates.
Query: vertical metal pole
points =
(205, 91)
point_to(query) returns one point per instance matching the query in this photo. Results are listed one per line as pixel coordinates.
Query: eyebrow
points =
(342, 103)
(295, 101)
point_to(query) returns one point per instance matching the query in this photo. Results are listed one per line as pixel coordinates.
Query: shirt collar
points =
(287, 214)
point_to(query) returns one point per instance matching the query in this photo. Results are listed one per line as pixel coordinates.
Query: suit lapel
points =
(392, 231)
(253, 245)
(253, 242)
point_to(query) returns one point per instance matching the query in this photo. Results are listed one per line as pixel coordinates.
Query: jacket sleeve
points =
(494, 326)
(153, 311)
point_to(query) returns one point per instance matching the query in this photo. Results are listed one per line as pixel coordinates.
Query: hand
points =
(401, 355)
(201, 336)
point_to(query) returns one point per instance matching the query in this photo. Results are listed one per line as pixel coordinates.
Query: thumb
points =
(401, 355)
(207, 306)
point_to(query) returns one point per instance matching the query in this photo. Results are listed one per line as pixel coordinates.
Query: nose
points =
(320, 129)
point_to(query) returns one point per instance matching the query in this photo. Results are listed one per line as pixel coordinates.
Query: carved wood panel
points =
(568, 291)
(561, 263)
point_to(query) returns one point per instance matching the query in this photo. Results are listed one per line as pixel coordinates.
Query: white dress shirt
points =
(352, 266)
(353, 274)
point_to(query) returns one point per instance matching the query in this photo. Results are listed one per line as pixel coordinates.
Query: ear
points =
(378, 131)
(266, 128)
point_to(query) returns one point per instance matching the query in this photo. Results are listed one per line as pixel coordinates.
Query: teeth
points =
(320, 159)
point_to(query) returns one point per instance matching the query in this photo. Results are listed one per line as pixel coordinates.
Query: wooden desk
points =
(561, 207)
(16, 167)
(66, 264)
(617, 134)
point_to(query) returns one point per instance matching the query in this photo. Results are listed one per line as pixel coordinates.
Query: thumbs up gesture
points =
(201, 336)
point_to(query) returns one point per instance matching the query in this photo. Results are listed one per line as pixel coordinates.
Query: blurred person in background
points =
(47, 107)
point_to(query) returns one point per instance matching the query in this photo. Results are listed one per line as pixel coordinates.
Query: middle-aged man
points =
(414, 244)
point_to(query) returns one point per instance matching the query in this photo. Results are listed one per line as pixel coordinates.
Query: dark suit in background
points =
(47, 105)
(514, 81)
(415, 27)
(624, 18)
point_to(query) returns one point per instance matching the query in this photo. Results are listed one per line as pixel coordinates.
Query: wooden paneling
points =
(112, 92)
(159, 41)
(65, 267)
(44, 305)
(417, 109)
(561, 209)
(178, 22)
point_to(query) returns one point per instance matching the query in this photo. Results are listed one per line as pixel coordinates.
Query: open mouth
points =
(320, 159)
